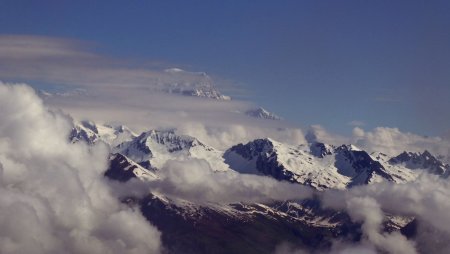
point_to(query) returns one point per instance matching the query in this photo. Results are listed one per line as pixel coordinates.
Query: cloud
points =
(54, 197)
(72, 63)
(425, 199)
(227, 135)
(116, 91)
(195, 181)
(393, 141)
(367, 210)
(318, 133)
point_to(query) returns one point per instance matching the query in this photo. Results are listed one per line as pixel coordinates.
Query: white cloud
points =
(54, 197)
(425, 199)
(320, 134)
(393, 141)
(195, 181)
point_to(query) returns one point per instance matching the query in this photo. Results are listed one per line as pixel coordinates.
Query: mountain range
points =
(191, 227)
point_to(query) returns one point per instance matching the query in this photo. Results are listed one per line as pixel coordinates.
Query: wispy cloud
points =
(356, 123)
(121, 92)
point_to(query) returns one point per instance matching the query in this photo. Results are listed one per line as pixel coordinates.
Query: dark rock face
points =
(120, 169)
(320, 149)
(266, 158)
(423, 160)
(77, 135)
(361, 162)
(349, 162)
(410, 229)
(249, 229)
(254, 148)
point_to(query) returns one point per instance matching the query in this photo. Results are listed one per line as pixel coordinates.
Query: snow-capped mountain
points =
(122, 169)
(318, 165)
(197, 84)
(92, 133)
(324, 166)
(154, 148)
(172, 81)
(262, 114)
(189, 227)
(423, 160)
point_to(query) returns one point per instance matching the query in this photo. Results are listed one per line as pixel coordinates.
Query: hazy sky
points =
(377, 63)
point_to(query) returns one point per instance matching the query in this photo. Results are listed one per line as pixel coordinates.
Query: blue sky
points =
(384, 63)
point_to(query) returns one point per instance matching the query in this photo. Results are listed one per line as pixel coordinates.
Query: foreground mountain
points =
(244, 228)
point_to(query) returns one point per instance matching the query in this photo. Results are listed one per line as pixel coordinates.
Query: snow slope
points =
(324, 166)
(154, 148)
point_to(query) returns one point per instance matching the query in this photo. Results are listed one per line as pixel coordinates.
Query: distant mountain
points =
(262, 114)
(197, 84)
(423, 160)
(172, 81)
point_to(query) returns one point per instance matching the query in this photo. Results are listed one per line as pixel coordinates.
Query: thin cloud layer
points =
(72, 63)
(108, 90)
(54, 198)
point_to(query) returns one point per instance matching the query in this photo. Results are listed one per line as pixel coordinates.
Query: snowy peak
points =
(423, 160)
(152, 149)
(172, 141)
(92, 133)
(122, 169)
(85, 132)
(197, 84)
(254, 148)
(318, 165)
(358, 164)
(262, 114)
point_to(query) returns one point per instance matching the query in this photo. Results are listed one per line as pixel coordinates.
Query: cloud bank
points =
(426, 200)
(195, 180)
(54, 198)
